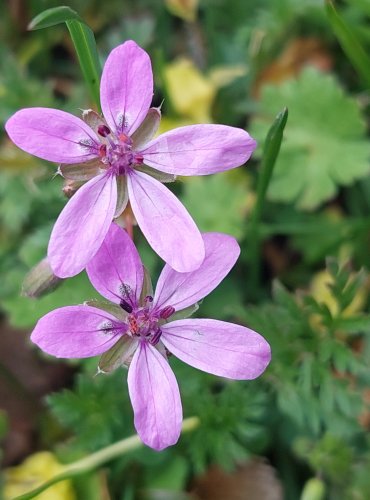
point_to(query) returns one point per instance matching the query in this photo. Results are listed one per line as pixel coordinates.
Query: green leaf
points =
(270, 153)
(349, 43)
(52, 17)
(324, 145)
(83, 40)
(218, 203)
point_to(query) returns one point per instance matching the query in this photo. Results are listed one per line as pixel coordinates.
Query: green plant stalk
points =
(270, 153)
(349, 43)
(84, 43)
(83, 40)
(95, 460)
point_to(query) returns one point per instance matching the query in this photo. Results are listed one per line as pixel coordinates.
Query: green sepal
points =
(109, 307)
(40, 280)
(118, 355)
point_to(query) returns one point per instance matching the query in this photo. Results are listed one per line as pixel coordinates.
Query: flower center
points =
(116, 152)
(145, 322)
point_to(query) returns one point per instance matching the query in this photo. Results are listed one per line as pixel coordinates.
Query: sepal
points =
(40, 280)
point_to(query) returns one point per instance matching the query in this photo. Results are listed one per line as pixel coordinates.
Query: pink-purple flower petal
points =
(126, 89)
(165, 223)
(199, 149)
(77, 332)
(217, 347)
(155, 398)
(82, 225)
(181, 290)
(116, 268)
(52, 135)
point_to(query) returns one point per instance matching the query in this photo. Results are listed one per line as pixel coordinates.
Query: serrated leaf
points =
(324, 146)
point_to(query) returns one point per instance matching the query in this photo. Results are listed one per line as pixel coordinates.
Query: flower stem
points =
(271, 150)
(95, 460)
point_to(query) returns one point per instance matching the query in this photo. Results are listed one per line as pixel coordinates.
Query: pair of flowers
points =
(117, 161)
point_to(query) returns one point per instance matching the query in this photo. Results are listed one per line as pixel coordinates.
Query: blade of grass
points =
(95, 460)
(349, 43)
(270, 153)
(83, 40)
(52, 17)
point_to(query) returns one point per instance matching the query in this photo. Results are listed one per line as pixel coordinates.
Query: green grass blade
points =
(83, 40)
(271, 150)
(85, 45)
(349, 43)
(52, 17)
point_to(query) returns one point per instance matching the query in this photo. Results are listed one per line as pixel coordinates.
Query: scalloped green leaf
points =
(324, 145)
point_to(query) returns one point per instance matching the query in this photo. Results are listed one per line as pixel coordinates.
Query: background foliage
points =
(301, 430)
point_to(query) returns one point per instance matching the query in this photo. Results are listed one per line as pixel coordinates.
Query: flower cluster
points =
(117, 164)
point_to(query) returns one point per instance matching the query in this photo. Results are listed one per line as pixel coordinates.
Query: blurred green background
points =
(301, 430)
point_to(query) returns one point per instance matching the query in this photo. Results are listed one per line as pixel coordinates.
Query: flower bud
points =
(40, 280)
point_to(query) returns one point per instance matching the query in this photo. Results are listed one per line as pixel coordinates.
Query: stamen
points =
(156, 336)
(148, 298)
(139, 159)
(103, 130)
(166, 312)
(125, 306)
(125, 138)
(102, 151)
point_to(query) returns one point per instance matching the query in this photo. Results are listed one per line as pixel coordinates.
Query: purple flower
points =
(120, 163)
(139, 329)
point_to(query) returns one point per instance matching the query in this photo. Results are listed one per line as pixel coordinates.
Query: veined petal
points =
(165, 223)
(155, 398)
(126, 88)
(217, 347)
(77, 332)
(181, 290)
(52, 135)
(199, 149)
(116, 270)
(82, 225)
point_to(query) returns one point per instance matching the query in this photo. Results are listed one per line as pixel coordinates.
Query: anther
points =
(148, 298)
(166, 312)
(155, 337)
(125, 306)
(139, 159)
(103, 130)
(125, 138)
(102, 151)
